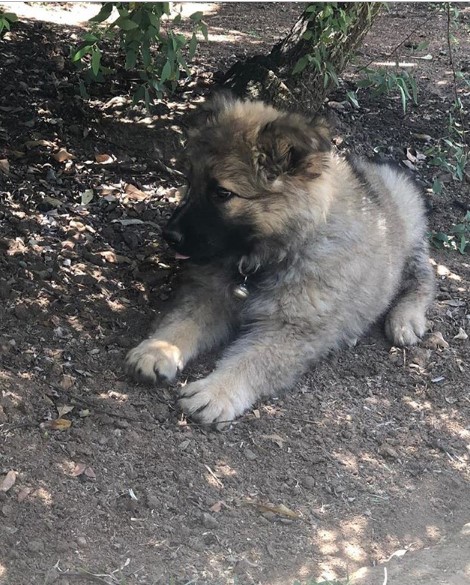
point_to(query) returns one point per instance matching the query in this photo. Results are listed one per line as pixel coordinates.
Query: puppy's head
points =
(251, 171)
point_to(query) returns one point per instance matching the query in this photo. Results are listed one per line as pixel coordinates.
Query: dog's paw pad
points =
(208, 402)
(152, 359)
(405, 327)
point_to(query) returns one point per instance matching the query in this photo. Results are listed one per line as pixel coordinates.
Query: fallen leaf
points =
(67, 382)
(217, 506)
(84, 413)
(62, 155)
(24, 493)
(461, 335)
(4, 166)
(87, 196)
(410, 155)
(33, 143)
(408, 164)
(8, 481)
(114, 258)
(90, 473)
(78, 469)
(104, 159)
(133, 193)
(64, 410)
(435, 340)
(424, 137)
(279, 510)
(59, 424)
(52, 201)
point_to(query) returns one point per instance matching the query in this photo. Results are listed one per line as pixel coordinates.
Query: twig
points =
(219, 483)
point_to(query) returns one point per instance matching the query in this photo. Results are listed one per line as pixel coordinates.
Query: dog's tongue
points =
(179, 256)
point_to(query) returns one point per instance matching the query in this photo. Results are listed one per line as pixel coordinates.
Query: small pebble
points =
(308, 482)
(208, 521)
(250, 455)
(81, 541)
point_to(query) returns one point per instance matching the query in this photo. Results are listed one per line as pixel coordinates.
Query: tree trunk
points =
(299, 71)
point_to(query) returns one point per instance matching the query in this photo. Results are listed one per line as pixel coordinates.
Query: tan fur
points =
(338, 244)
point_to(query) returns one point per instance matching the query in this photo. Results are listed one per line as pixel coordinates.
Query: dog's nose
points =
(173, 237)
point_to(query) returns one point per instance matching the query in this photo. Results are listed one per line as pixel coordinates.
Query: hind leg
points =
(405, 323)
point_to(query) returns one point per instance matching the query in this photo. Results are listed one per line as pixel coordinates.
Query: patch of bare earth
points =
(363, 464)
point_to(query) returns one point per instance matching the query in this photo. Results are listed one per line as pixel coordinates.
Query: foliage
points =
(452, 154)
(458, 239)
(6, 19)
(383, 81)
(149, 44)
(329, 28)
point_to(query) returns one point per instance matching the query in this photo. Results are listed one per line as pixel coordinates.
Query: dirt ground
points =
(362, 469)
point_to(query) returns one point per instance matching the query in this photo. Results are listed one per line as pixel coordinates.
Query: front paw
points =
(154, 358)
(214, 400)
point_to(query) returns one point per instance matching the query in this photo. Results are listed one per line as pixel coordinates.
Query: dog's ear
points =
(292, 145)
(220, 100)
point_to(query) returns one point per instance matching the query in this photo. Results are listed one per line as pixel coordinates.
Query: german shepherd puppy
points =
(292, 252)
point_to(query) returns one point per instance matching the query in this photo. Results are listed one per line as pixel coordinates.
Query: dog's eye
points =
(222, 194)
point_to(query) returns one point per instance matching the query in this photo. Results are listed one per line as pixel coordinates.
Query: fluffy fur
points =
(328, 246)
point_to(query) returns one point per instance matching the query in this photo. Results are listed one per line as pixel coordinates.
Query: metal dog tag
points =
(240, 291)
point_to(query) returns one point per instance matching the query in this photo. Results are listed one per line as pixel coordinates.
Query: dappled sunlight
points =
(404, 64)
(225, 469)
(114, 395)
(433, 533)
(77, 15)
(365, 462)
(43, 495)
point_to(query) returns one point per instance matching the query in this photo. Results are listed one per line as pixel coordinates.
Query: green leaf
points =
(437, 187)
(352, 96)
(300, 65)
(403, 98)
(125, 23)
(146, 56)
(463, 244)
(192, 46)
(154, 19)
(166, 72)
(104, 13)
(95, 62)
(10, 16)
(139, 94)
(80, 53)
(196, 16)
(131, 59)
(203, 27)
